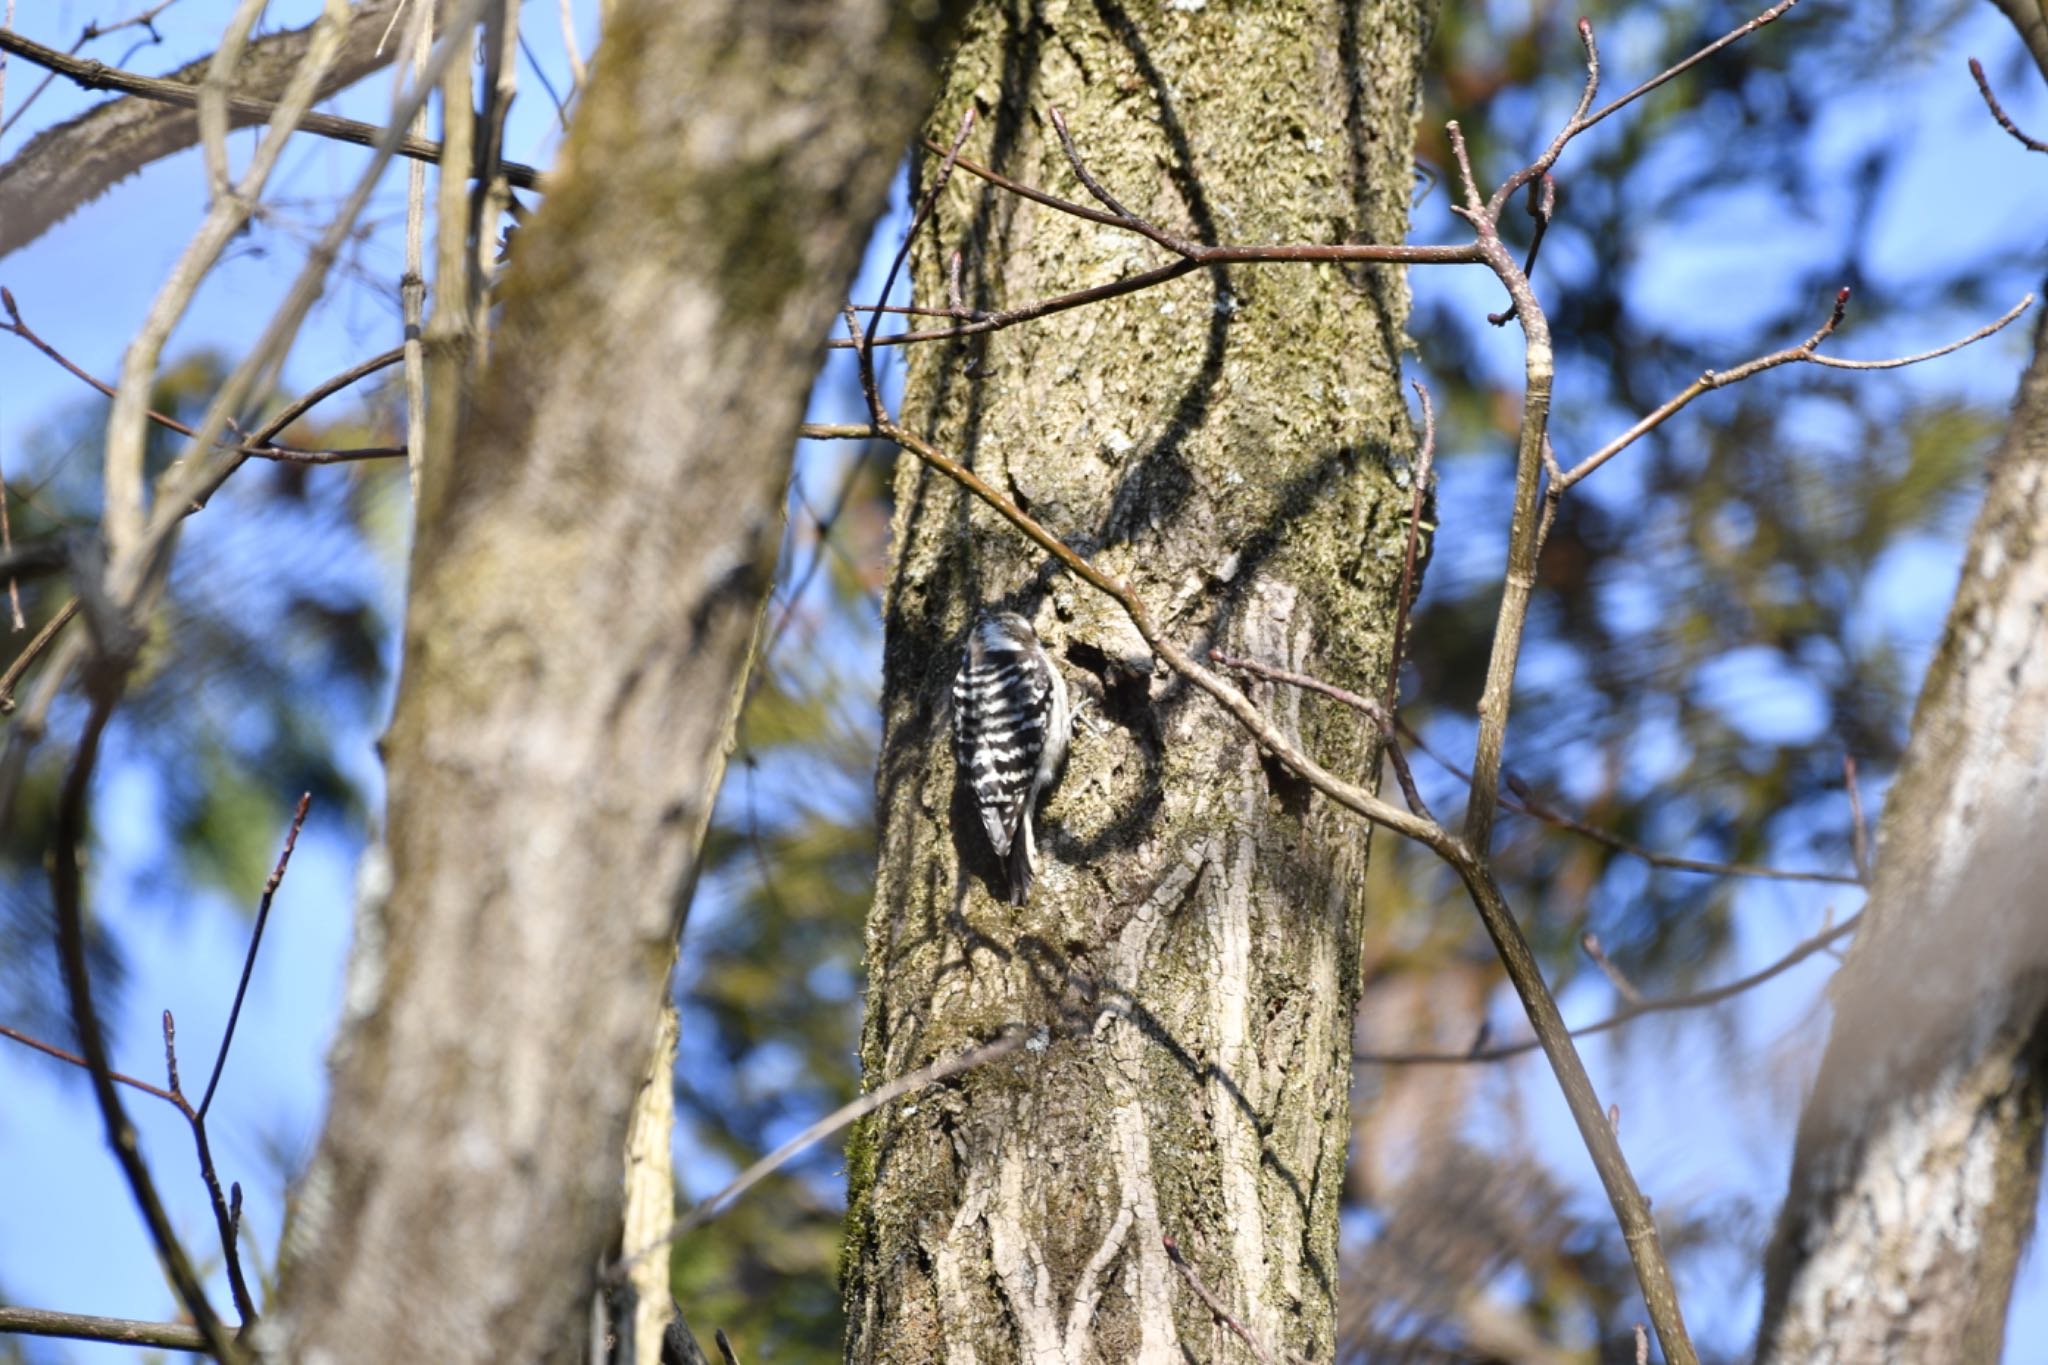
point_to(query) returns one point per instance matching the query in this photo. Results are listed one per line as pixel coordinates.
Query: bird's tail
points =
(1022, 856)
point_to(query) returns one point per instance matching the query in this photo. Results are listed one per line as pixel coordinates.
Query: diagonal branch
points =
(711, 1208)
(1692, 1000)
(1805, 352)
(1998, 110)
(65, 167)
(263, 449)
(68, 166)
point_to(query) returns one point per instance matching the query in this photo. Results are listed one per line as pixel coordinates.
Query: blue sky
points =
(69, 1238)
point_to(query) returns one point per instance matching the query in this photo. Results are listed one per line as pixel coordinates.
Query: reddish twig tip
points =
(1998, 111)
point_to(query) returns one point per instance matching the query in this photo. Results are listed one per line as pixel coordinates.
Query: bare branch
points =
(1858, 830)
(1818, 943)
(213, 94)
(1804, 353)
(1523, 800)
(578, 72)
(1192, 256)
(259, 448)
(1580, 120)
(135, 571)
(1998, 111)
(67, 166)
(846, 1114)
(1216, 1307)
(225, 1217)
(1120, 215)
(412, 285)
(227, 1037)
(65, 896)
(917, 220)
(15, 618)
(1623, 987)
(61, 1055)
(1381, 718)
(125, 515)
(164, 1336)
(1418, 474)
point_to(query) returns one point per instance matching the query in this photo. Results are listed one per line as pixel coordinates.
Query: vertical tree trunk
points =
(1230, 444)
(1918, 1159)
(587, 577)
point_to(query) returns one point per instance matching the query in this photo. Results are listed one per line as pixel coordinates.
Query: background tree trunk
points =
(1918, 1159)
(587, 578)
(1231, 445)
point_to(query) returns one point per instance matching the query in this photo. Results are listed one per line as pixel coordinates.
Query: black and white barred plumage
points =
(1010, 726)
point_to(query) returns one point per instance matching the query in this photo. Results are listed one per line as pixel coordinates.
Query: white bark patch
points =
(1149, 1279)
(999, 1209)
(956, 1300)
(1020, 1265)
(1235, 1089)
(1906, 1235)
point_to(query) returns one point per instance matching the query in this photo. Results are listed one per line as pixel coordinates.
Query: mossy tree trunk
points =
(1919, 1155)
(1235, 445)
(587, 580)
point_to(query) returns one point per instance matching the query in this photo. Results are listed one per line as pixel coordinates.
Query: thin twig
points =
(1523, 800)
(1526, 529)
(578, 73)
(1859, 832)
(492, 193)
(50, 1050)
(65, 896)
(1215, 1304)
(412, 285)
(261, 448)
(1542, 206)
(1192, 256)
(540, 72)
(1669, 1004)
(1122, 216)
(1528, 803)
(136, 571)
(917, 220)
(291, 413)
(802, 581)
(711, 1208)
(163, 1336)
(1998, 111)
(1803, 353)
(1381, 718)
(213, 96)
(1623, 987)
(1734, 35)
(99, 76)
(227, 1037)
(1418, 495)
(226, 1217)
(125, 513)
(18, 621)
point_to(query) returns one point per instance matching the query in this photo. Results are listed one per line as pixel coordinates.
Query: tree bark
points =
(1918, 1159)
(588, 573)
(1234, 446)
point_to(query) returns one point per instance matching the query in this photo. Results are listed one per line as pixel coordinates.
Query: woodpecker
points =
(1010, 727)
